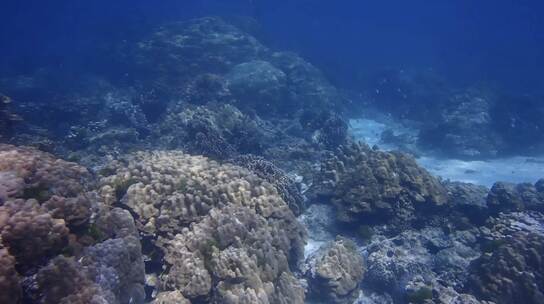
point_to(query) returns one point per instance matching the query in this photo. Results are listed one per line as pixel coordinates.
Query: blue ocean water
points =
(254, 151)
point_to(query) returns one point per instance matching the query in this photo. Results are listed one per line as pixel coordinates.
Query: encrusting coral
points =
(227, 236)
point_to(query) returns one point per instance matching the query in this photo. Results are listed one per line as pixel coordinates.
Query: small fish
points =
(5, 99)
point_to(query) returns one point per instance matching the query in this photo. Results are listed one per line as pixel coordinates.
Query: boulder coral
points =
(363, 183)
(225, 235)
(55, 245)
(511, 272)
(336, 271)
(285, 185)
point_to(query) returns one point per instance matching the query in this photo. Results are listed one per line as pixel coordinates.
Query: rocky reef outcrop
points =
(223, 234)
(257, 78)
(375, 186)
(508, 197)
(454, 130)
(510, 268)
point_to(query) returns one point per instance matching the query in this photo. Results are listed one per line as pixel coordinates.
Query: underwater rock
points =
(329, 130)
(468, 200)
(259, 86)
(245, 72)
(319, 221)
(508, 197)
(335, 272)
(454, 132)
(375, 186)
(182, 50)
(518, 119)
(212, 221)
(308, 87)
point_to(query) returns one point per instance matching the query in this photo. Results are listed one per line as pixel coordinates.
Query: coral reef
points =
(377, 186)
(467, 201)
(255, 78)
(512, 272)
(7, 119)
(62, 281)
(328, 129)
(174, 226)
(505, 197)
(187, 48)
(266, 170)
(39, 175)
(226, 235)
(49, 230)
(219, 132)
(30, 232)
(9, 279)
(336, 271)
(454, 131)
(425, 259)
(260, 87)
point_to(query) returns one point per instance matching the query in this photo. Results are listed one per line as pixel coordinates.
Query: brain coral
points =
(226, 235)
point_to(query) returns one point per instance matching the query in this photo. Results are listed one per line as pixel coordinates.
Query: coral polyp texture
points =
(51, 231)
(336, 272)
(226, 235)
(378, 186)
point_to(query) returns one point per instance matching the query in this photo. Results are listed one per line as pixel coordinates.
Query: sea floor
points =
(486, 172)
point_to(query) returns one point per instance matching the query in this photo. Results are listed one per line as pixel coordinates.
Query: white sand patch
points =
(485, 172)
